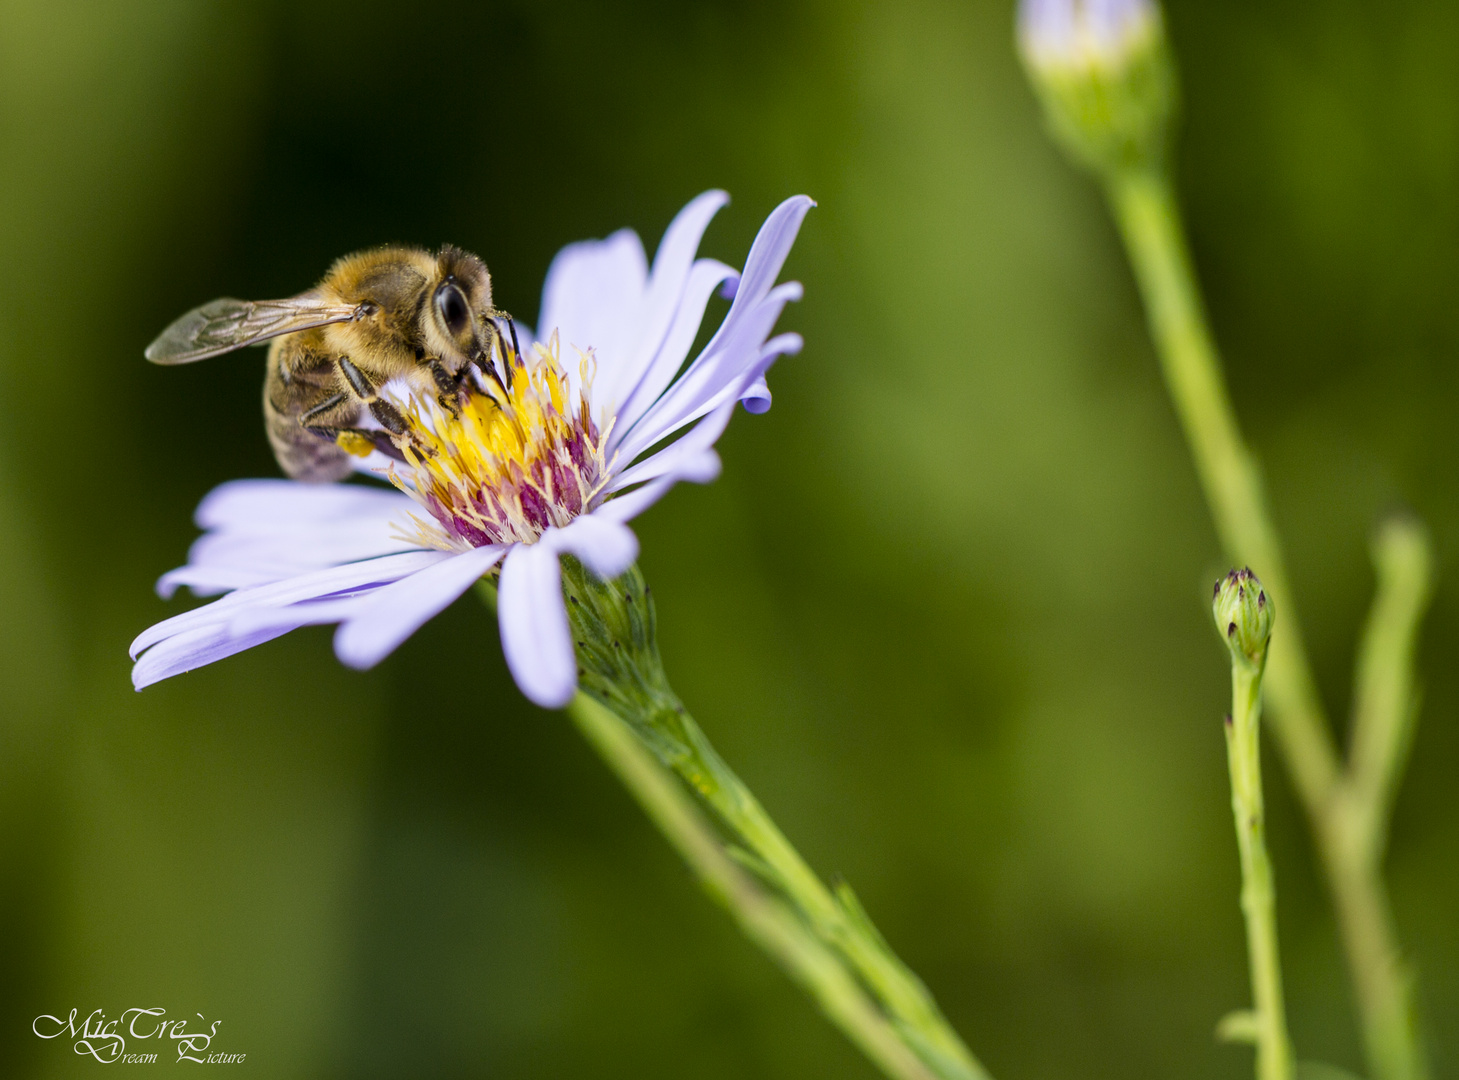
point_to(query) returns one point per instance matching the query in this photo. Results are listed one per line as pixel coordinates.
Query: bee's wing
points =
(227, 324)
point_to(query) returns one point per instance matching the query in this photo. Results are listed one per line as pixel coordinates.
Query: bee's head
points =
(455, 321)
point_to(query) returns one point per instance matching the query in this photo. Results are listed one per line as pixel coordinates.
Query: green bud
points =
(1104, 75)
(1244, 615)
(613, 626)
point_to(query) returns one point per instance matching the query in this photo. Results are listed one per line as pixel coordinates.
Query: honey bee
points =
(391, 313)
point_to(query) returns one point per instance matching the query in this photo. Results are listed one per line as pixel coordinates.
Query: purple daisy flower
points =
(557, 464)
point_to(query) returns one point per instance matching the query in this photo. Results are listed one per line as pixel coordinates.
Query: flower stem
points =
(1145, 209)
(1386, 704)
(1385, 708)
(1149, 221)
(1258, 890)
(619, 666)
(838, 920)
(765, 920)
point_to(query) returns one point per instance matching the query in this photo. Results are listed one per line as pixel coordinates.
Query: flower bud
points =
(1104, 75)
(613, 628)
(1244, 615)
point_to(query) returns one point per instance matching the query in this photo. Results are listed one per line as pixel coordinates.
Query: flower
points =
(1104, 75)
(1084, 33)
(548, 457)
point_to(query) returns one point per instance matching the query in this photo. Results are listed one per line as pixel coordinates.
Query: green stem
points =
(1145, 209)
(1385, 708)
(614, 630)
(763, 919)
(837, 919)
(1258, 888)
(1385, 701)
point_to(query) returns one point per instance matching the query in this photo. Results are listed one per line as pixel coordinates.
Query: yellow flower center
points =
(513, 459)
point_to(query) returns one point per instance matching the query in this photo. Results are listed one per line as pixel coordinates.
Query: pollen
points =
(520, 453)
(352, 442)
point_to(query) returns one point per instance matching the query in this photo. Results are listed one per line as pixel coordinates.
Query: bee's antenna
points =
(512, 326)
(516, 349)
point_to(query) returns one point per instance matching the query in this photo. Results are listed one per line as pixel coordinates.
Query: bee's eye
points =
(452, 308)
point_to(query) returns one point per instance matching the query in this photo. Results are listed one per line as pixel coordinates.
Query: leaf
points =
(851, 905)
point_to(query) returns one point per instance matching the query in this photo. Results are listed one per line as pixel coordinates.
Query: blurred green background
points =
(945, 611)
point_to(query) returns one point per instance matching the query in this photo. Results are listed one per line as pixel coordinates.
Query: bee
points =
(390, 313)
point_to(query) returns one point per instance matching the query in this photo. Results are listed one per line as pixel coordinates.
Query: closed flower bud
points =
(1244, 615)
(1104, 75)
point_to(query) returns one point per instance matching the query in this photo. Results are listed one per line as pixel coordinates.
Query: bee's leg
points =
(323, 407)
(449, 385)
(445, 384)
(351, 439)
(357, 440)
(387, 414)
